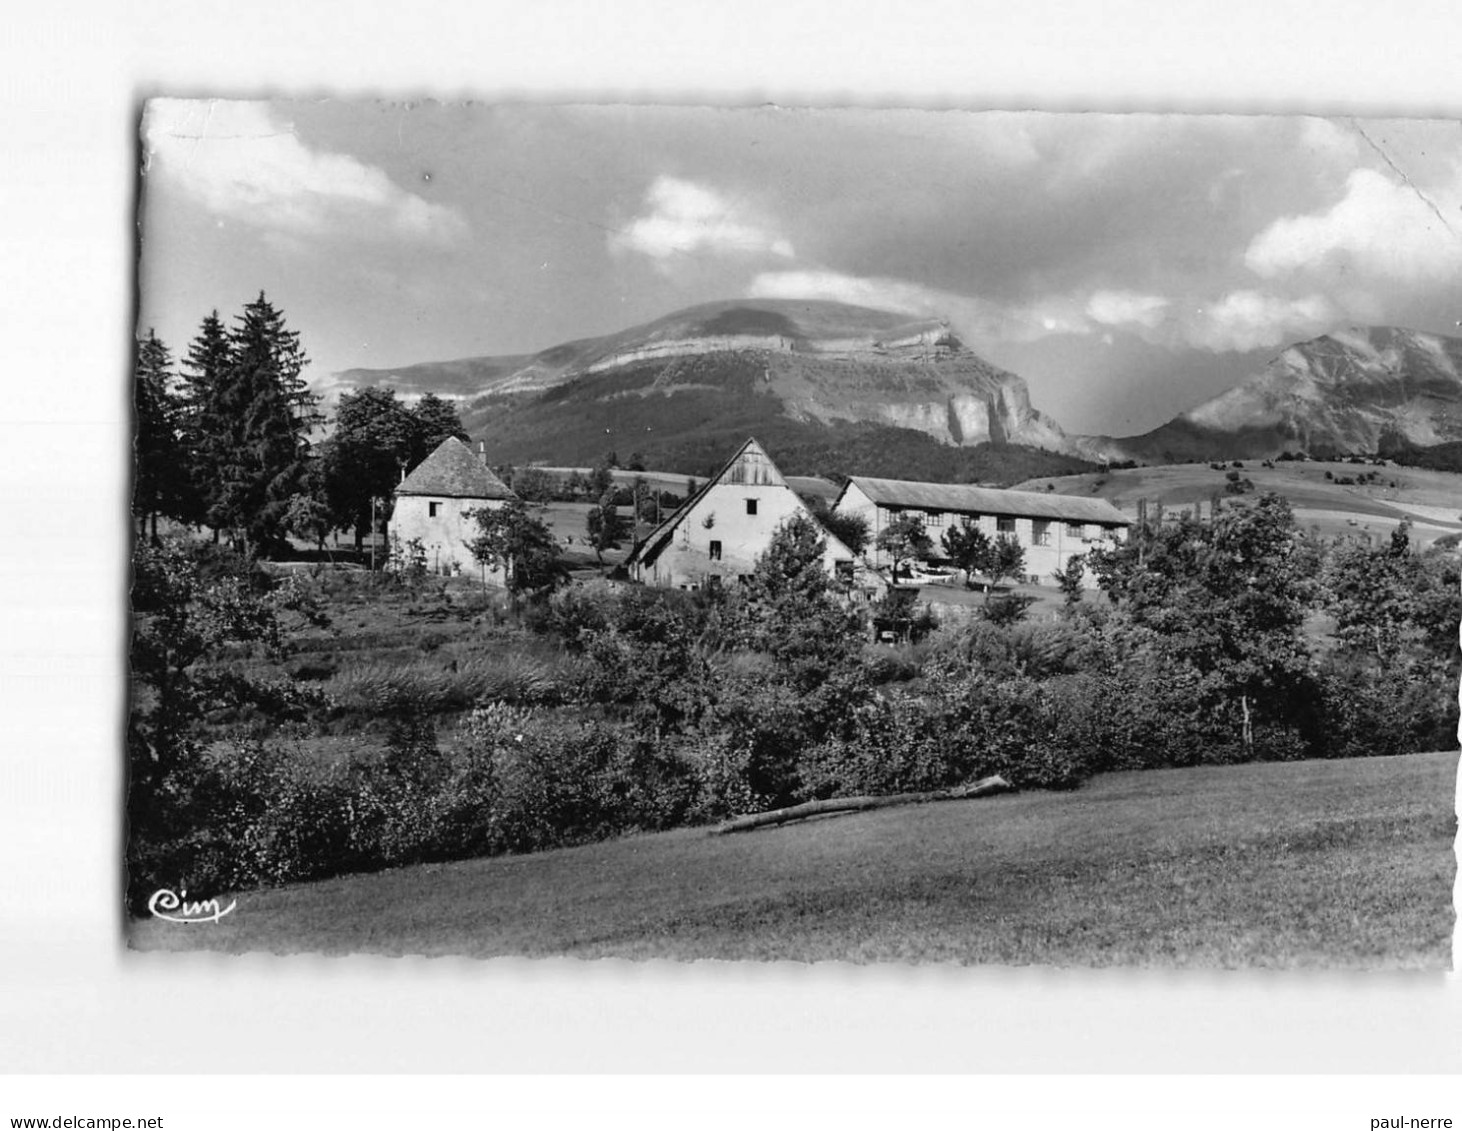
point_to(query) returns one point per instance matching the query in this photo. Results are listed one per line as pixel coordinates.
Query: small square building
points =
(434, 503)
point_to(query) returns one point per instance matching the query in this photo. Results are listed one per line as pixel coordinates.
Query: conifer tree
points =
(205, 369)
(160, 484)
(263, 413)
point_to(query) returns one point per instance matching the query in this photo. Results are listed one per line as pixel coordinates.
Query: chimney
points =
(482, 452)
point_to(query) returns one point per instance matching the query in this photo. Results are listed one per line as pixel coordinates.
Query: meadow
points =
(314, 730)
(1344, 864)
(1323, 505)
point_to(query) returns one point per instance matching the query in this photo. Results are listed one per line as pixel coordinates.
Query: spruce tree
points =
(160, 484)
(263, 415)
(205, 369)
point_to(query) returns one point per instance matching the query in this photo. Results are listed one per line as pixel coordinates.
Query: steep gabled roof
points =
(962, 498)
(454, 472)
(647, 551)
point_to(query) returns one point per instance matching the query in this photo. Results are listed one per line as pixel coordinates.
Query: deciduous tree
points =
(1228, 597)
(968, 547)
(605, 527)
(905, 540)
(512, 540)
(792, 609)
(849, 529)
(1006, 558)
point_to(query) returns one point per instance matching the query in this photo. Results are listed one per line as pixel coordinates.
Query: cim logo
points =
(175, 907)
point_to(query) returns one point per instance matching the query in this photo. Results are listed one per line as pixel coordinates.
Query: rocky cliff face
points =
(1334, 394)
(826, 362)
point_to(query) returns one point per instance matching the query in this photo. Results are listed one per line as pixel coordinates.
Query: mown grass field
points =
(1432, 500)
(1306, 864)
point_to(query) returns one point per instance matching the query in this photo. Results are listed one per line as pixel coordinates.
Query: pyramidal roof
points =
(453, 471)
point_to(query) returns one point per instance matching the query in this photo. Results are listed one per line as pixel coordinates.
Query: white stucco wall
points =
(1063, 541)
(743, 537)
(444, 536)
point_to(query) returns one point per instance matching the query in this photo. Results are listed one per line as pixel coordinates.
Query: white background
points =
(71, 998)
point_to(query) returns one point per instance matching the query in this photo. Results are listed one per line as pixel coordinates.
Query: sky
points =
(1128, 266)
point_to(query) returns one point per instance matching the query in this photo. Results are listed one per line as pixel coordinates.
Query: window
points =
(431, 509)
(715, 551)
(1004, 525)
(750, 506)
(1040, 533)
(934, 518)
(843, 571)
(713, 583)
(1075, 530)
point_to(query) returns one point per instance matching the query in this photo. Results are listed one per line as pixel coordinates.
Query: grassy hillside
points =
(1432, 500)
(1305, 864)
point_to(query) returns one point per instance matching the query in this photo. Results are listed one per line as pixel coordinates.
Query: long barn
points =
(1051, 528)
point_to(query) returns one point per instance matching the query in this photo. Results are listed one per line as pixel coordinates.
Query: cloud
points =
(682, 217)
(859, 290)
(1380, 227)
(976, 318)
(242, 164)
(1120, 308)
(1249, 320)
(1240, 320)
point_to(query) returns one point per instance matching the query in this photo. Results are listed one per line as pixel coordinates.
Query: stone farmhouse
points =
(1051, 528)
(432, 504)
(718, 535)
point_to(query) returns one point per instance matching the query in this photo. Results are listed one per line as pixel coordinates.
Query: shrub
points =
(1041, 649)
(1370, 712)
(961, 726)
(720, 770)
(576, 613)
(1007, 608)
(561, 784)
(898, 612)
(894, 663)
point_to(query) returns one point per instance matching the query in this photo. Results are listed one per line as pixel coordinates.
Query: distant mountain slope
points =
(716, 373)
(708, 376)
(1334, 394)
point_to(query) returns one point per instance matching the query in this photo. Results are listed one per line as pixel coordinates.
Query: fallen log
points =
(985, 786)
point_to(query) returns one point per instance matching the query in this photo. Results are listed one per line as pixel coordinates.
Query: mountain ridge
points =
(1335, 394)
(821, 364)
(824, 362)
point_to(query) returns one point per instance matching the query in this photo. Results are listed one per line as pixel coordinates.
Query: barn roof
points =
(453, 471)
(813, 486)
(961, 498)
